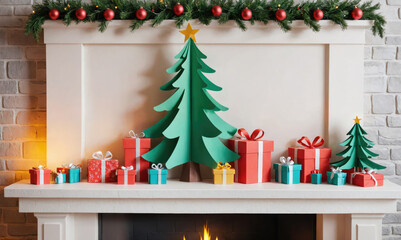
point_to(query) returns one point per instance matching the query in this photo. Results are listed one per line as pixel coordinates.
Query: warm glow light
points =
(206, 234)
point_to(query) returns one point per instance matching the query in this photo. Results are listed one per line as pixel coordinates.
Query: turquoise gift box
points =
(154, 176)
(285, 173)
(63, 178)
(74, 175)
(338, 178)
(316, 178)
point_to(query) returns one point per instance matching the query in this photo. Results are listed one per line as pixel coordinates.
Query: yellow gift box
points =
(223, 174)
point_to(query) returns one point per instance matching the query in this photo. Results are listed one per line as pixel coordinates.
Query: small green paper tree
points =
(357, 153)
(192, 129)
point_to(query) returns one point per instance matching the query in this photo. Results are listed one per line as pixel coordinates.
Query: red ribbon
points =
(254, 136)
(317, 142)
(317, 171)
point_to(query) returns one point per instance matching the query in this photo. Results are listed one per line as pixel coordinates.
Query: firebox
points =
(207, 226)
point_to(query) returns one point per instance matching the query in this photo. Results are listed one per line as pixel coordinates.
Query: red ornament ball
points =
(141, 13)
(178, 9)
(216, 10)
(108, 14)
(54, 13)
(318, 14)
(246, 14)
(281, 14)
(357, 13)
(80, 13)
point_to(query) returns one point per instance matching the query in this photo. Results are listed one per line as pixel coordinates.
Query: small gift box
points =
(126, 175)
(60, 177)
(367, 178)
(63, 169)
(311, 157)
(287, 172)
(134, 147)
(102, 169)
(336, 177)
(254, 164)
(74, 173)
(157, 174)
(223, 174)
(316, 177)
(40, 175)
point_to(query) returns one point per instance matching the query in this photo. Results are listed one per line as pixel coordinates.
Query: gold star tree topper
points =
(189, 33)
(357, 120)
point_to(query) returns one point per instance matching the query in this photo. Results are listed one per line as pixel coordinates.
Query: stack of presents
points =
(308, 163)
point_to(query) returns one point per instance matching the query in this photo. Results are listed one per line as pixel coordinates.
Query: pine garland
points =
(262, 11)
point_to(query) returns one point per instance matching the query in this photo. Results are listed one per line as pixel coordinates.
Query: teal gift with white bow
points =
(74, 173)
(336, 177)
(287, 172)
(60, 178)
(157, 174)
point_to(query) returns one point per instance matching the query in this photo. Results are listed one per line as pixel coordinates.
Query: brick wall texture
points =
(23, 104)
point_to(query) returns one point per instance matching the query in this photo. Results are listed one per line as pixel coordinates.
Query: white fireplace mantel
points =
(343, 212)
(101, 85)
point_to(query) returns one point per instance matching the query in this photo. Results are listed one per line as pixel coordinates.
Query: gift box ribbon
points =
(256, 135)
(99, 156)
(159, 168)
(137, 137)
(317, 142)
(334, 170)
(286, 161)
(126, 169)
(224, 167)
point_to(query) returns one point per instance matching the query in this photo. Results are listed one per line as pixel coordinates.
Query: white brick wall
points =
(383, 102)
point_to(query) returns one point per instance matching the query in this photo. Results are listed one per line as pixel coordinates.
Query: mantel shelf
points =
(175, 189)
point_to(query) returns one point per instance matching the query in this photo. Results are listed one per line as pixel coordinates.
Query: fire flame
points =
(206, 234)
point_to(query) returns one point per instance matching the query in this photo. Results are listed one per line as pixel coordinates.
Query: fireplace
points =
(95, 95)
(222, 226)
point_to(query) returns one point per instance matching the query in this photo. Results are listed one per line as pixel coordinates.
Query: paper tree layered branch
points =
(191, 129)
(357, 153)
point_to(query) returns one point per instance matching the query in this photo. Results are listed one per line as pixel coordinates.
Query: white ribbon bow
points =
(159, 168)
(132, 134)
(127, 168)
(286, 161)
(71, 165)
(371, 172)
(333, 171)
(99, 156)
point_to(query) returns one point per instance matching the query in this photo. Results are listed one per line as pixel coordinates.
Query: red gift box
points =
(40, 175)
(126, 175)
(254, 164)
(310, 157)
(63, 170)
(364, 179)
(134, 148)
(96, 164)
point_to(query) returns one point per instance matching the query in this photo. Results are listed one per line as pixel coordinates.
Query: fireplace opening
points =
(220, 226)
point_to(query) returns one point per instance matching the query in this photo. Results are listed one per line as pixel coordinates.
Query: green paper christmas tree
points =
(357, 153)
(191, 128)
